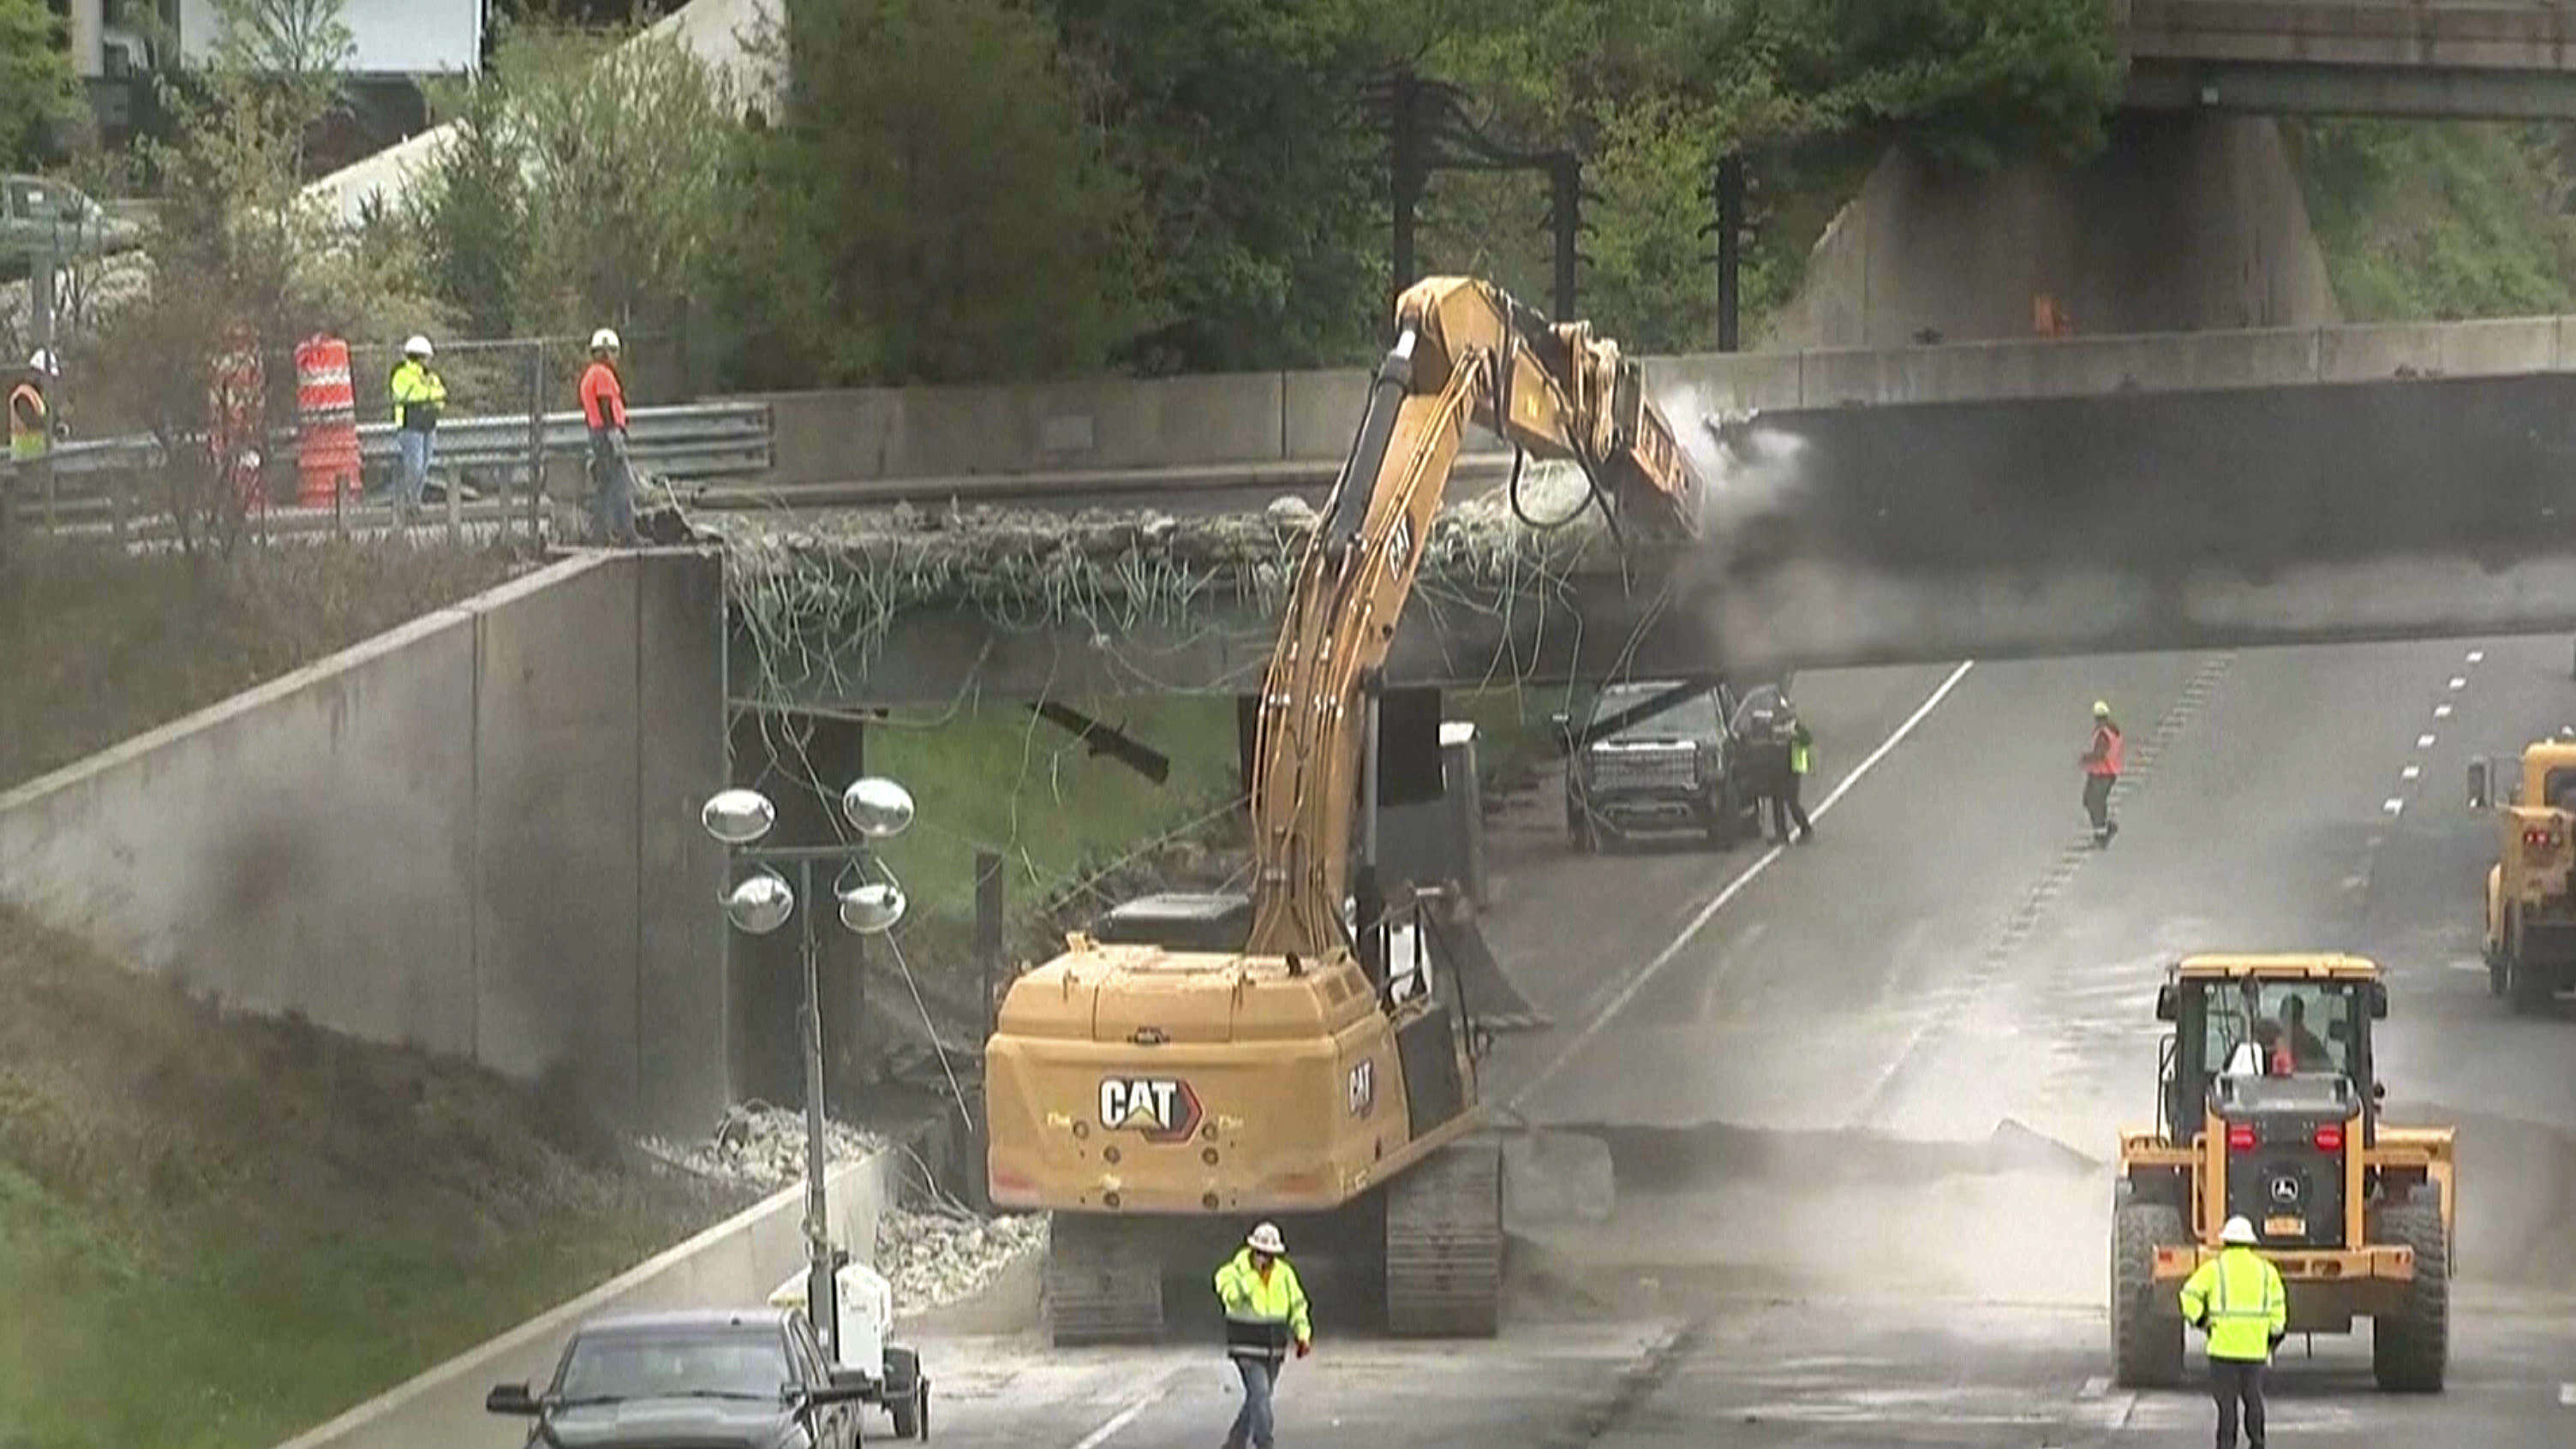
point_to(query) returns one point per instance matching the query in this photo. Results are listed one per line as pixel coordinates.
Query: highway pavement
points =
(1859, 1096)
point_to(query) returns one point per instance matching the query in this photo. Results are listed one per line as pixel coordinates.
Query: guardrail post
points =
(537, 444)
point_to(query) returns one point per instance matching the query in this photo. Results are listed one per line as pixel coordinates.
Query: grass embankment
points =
(216, 1231)
(97, 645)
(2441, 221)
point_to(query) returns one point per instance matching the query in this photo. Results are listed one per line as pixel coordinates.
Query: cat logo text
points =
(1160, 1109)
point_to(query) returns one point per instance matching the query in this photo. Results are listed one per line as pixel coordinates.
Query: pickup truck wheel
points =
(912, 1413)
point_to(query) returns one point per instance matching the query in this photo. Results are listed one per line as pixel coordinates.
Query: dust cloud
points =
(1707, 1214)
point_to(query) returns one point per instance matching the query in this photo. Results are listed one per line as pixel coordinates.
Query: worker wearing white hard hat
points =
(612, 475)
(1265, 1316)
(419, 396)
(2239, 1300)
(2101, 764)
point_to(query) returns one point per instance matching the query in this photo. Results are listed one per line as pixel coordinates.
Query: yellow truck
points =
(2530, 940)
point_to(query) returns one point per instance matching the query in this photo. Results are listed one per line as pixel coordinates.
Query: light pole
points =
(760, 903)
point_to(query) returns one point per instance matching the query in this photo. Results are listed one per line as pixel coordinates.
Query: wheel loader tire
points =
(2410, 1350)
(903, 1372)
(2146, 1322)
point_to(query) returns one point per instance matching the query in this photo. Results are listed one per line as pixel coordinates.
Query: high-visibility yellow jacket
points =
(2240, 1298)
(1263, 1314)
(418, 396)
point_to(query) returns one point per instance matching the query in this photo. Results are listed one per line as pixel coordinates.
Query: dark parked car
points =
(708, 1379)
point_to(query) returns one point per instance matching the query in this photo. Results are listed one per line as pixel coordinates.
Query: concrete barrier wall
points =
(1106, 428)
(736, 1263)
(476, 833)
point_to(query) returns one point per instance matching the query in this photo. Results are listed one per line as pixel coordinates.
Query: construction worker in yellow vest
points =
(2238, 1299)
(1265, 1315)
(419, 395)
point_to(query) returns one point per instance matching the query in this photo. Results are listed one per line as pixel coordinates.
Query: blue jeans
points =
(1252, 1423)
(417, 449)
(612, 499)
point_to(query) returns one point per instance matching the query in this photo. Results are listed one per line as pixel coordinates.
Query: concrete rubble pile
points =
(940, 1256)
(762, 1147)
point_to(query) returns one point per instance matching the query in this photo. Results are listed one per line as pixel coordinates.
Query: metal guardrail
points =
(700, 441)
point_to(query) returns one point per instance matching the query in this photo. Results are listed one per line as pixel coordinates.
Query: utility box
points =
(867, 1315)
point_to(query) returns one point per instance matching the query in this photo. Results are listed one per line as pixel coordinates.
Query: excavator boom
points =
(1464, 351)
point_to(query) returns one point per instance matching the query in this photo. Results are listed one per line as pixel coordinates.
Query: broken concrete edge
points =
(735, 1263)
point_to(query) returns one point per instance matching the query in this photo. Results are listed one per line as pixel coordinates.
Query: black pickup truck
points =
(710, 1379)
(1690, 764)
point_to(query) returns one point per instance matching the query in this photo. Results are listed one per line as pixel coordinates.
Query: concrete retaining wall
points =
(2183, 224)
(736, 1263)
(477, 833)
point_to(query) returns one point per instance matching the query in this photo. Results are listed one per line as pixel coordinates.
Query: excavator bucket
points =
(1459, 944)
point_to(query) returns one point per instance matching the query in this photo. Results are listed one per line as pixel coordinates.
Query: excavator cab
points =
(2268, 1108)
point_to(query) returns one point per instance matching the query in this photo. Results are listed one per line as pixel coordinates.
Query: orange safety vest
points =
(2106, 751)
(603, 398)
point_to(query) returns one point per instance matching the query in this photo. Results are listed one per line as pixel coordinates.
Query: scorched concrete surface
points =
(1860, 1097)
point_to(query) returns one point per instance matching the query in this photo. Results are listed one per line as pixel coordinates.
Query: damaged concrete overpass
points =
(2077, 524)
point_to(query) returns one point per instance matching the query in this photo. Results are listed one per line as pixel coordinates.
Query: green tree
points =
(935, 208)
(471, 214)
(37, 84)
(1261, 168)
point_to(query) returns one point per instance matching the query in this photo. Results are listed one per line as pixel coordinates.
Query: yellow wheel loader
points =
(1200, 1063)
(2530, 942)
(2267, 1108)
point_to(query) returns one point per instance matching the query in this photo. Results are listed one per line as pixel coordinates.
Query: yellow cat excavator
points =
(1299, 1054)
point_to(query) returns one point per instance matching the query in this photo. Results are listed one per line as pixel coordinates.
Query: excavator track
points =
(1444, 1244)
(1104, 1280)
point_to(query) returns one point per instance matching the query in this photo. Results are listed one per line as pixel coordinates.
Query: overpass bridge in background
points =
(2425, 58)
(1884, 505)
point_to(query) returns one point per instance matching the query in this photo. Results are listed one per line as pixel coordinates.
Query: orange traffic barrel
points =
(326, 406)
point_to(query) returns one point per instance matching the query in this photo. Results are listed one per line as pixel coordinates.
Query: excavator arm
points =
(1464, 352)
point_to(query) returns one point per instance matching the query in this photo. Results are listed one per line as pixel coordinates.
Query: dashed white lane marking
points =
(1699, 920)
(2411, 772)
(2567, 1396)
(2094, 1387)
(2393, 805)
(2459, 681)
(2466, 963)
(2441, 711)
(2355, 882)
(2477, 656)
(1135, 1409)
(2423, 742)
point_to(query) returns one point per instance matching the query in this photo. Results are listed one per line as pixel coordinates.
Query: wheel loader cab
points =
(2356, 1214)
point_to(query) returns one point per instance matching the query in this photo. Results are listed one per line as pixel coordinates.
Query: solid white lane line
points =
(1698, 922)
(1135, 1409)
